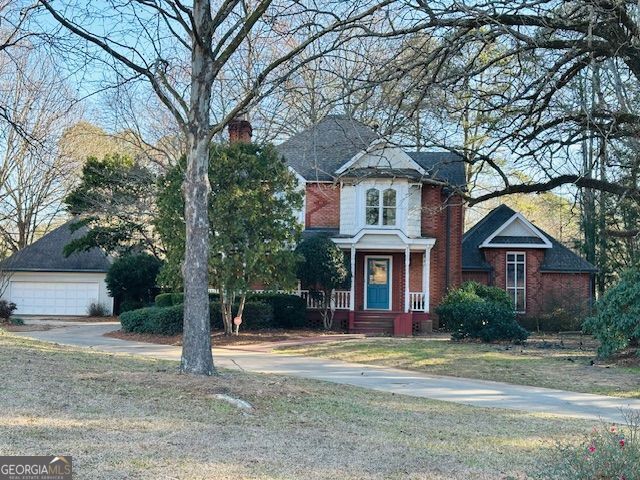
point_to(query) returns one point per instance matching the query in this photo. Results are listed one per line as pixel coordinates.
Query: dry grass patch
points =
(219, 339)
(567, 362)
(126, 417)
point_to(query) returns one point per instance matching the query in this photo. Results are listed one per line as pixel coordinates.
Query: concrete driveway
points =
(451, 389)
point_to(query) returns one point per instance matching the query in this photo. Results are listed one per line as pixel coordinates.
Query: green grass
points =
(129, 417)
(566, 366)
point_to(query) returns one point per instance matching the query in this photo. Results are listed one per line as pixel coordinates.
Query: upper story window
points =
(381, 212)
(516, 280)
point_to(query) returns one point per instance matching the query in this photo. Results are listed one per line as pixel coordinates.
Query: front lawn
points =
(127, 417)
(553, 361)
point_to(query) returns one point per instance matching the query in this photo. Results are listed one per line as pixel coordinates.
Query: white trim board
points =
(546, 243)
(390, 279)
(378, 146)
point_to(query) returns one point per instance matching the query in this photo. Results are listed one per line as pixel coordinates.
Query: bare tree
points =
(32, 174)
(150, 39)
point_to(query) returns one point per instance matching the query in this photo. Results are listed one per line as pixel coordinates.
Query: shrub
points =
(133, 277)
(154, 320)
(164, 321)
(97, 309)
(164, 300)
(6, 309)
(256, 316)
(615, 322)
(129, 305)
(177, 298)
(16, 321)
(169, 320)
(133, 320)
(289, 311)
(477, 311)
(610, 452)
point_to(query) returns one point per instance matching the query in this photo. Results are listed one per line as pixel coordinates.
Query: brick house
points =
(398, 219)
(391, 212)
(504, 249)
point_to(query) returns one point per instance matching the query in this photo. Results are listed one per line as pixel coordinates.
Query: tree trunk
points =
(197, 357)
(226, 303)
(243, 299)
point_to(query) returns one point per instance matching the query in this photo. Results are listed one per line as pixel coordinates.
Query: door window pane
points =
(378, 272)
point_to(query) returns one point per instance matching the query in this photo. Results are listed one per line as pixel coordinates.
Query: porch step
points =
(374, 322)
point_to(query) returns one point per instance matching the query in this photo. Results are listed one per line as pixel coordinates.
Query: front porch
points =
(389, 289)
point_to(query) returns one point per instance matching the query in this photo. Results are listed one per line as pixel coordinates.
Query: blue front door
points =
(378, 283)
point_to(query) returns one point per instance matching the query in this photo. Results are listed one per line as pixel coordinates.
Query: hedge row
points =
(169, 320)
(288, 311)
(156, 320)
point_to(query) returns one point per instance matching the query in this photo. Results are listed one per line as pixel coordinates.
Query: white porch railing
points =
(339, 299)
(416, 301)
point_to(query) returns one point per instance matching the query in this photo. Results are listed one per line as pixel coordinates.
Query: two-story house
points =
(393, 213)
(399, 218)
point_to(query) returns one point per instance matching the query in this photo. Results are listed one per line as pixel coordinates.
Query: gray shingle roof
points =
(556, 259)
(46, 255)
(445, 166)
(317, 152)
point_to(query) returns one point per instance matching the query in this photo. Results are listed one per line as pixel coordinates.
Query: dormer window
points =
(381, 213)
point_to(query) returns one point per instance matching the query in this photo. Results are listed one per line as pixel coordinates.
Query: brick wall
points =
(434, 221)
(322, 205)
(480, 277)
(415, 272)
(543, 288)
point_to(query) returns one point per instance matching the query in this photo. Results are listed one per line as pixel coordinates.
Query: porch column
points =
(407, 256)
(352, 292)
(426, 270)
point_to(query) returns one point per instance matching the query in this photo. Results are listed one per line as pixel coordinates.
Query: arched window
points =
(389, 207)
(381, 213)
(373, 206)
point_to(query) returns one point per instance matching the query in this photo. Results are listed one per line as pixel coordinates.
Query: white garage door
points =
(49, 298)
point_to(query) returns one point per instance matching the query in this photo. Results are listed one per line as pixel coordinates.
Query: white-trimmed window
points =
(517, 279)
(381, 212)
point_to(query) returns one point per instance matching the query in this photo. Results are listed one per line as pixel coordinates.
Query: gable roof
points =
(558, 258)
(318, 152)
(46, 255)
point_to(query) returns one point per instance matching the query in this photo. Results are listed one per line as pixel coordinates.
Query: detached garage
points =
(40, 280)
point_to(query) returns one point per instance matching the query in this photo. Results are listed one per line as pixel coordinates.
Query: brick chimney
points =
(240, 129)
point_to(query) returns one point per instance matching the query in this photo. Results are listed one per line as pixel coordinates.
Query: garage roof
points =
(46, 255)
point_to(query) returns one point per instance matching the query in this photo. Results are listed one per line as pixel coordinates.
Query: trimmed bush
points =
(133, 320)
(169, 320)
(154, 320)
(616, 323)
(256, 316)
(475, 311)
(164, 321)
(164, 300)
(6, 309)
(289, 311)
(177, 298)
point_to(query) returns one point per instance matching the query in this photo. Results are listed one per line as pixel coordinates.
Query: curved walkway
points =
(452, 389)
